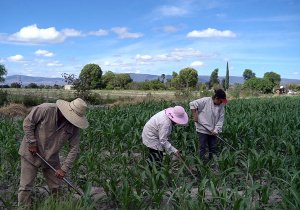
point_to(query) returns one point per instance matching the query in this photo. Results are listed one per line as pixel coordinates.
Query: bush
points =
(184, 94)
(3, 97)
(26, 100)
(235, 91)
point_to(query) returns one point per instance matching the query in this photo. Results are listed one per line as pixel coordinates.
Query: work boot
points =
(24, 199)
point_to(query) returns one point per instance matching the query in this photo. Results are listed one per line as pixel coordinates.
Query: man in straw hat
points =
(47, 128)
(157, 130)
(208, 114)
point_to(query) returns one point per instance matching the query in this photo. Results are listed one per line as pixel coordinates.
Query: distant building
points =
(280, 90)
(69, 87)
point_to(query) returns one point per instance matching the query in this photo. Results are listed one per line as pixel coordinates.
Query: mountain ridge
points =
(25, 80)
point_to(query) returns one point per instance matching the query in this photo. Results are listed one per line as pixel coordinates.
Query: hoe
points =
(65, 180)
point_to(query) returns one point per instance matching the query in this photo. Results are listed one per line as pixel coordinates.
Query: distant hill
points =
(135, 77)
(25, 80)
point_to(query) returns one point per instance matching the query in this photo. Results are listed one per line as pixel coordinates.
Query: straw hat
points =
(74, 112)
(177, 114)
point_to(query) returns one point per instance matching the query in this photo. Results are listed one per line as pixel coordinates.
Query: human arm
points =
(29, 125)
(196, 107)
(195, 115)
(164, 133)
(220, 122)
(74, 150)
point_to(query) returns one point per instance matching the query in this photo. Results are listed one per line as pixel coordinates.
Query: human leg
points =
(155, 157)
(203, 139)
(53, 182)
(27, 177)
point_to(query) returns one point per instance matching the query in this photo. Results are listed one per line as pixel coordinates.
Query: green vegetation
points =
(3, 72)
(261, 173)
(214, 79)
(248, 74)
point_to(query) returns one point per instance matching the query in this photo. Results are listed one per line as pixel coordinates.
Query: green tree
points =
(214, 79)
(175, 80)
(273, 77)
(188, 78)
(113, 81)
(15, 85)
(122, 80)
(90, 76)
(32, 85)
(223, 84)
(248, 74)
(163, 77)
(109, 80)
(226, 85)
(81, 89)
(262, 85)
(3, 72)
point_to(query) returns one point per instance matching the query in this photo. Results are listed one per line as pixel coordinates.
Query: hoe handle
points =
(180, 158)
(65, 180)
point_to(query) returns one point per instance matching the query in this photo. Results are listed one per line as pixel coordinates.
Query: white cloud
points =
(172, 11)
(100, 32)
(15, 58)
(185, 52)
(176, 54)
(69, 32)
(35, 35)
(54, 64)
(123, 33)
(119, 63)
(44, 53)
(211, 32)
(196, 64)
(139, 57)
(170, 29)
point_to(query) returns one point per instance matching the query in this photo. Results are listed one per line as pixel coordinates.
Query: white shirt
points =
(156, 133)
(209, 115)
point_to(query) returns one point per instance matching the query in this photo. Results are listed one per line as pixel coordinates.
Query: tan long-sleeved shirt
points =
(157, 131)
(210, 116)
(41, 126)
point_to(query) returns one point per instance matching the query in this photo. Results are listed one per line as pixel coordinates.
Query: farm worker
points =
(47, 128)
(157, 130)
(208, 114)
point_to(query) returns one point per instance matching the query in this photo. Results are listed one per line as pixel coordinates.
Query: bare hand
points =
(196, 119)
(60, 173)
(214, 133)
(33, 149)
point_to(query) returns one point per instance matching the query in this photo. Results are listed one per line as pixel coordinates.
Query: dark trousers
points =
(155, 157)
(210, 141)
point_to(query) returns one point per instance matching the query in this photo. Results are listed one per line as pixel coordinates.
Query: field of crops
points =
(261, 172)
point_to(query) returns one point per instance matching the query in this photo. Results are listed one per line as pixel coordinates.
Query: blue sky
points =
(48, 38)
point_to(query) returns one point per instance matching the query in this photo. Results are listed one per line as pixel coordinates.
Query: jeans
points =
(155, 157)
(210, 141)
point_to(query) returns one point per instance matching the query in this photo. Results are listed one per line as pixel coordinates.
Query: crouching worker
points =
(47, 128)
(208, 114)
(157, 130)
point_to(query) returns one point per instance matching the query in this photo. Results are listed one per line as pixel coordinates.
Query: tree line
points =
(92, 77)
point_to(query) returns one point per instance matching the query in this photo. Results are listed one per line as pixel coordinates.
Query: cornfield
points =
(261, 172)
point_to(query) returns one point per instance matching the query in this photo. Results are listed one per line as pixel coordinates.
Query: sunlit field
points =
(259, 170)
